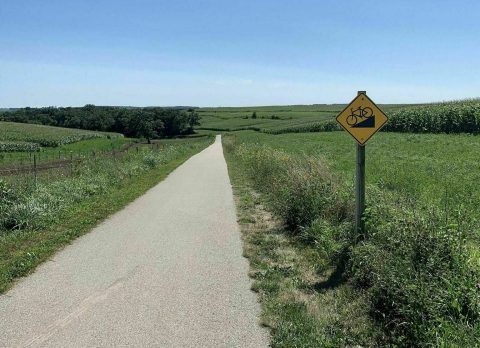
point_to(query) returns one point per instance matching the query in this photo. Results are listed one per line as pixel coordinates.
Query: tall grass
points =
(414, 263)
(31, 205)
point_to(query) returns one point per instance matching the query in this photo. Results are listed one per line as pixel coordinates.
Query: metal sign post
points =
(362, 118)
(360, 185)
(360, 189)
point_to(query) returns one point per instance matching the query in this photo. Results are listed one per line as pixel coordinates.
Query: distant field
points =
(271, 117)
(45, 136)
(19, 140)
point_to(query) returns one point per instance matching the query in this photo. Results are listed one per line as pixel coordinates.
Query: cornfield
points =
(450, 117)
(27, 137)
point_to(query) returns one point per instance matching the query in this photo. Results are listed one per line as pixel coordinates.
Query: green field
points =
(46, 136)
(411, 280)
(424, 166)
(18, 142)
(270, 117)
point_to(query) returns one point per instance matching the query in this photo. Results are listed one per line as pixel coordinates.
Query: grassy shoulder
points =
(23, 249)
(410, 280)
(305, 302)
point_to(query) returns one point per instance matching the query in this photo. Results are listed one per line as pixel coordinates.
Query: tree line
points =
(149, 122)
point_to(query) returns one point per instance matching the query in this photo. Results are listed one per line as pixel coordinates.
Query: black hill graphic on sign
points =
(361, 118)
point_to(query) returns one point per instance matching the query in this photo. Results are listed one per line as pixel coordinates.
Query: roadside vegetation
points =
(39, 216)
(411, 280)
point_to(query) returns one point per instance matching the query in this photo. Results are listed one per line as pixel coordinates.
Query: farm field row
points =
(46, 136)
(462, 116)
(19, 141)
(270, 117)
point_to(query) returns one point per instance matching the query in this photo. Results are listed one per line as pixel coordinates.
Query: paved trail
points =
(166, 271)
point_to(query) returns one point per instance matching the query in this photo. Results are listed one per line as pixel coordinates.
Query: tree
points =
(148, 125)
(254, 115)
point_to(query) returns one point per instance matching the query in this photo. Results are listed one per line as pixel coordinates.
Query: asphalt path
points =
(166, 271)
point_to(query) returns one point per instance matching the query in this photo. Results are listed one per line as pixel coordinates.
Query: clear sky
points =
(243, 52)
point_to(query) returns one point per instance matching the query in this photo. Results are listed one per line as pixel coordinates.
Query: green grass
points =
(18, 142)
(411, 280)
(36, 222)
(428, 167)
(286, 277)
(62, 152)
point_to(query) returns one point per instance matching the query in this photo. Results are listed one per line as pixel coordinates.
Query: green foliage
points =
(414, 263)
(452, 117)
(301, 189)
(151, 122)
(10, 146)
(35, 207)
(449, 117)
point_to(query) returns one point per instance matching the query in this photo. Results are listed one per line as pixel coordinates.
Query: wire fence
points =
(37, 162)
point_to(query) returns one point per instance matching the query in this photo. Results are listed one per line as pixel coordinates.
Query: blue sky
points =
(213, 53)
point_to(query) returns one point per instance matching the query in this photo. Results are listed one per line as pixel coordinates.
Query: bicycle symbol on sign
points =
(361, 117)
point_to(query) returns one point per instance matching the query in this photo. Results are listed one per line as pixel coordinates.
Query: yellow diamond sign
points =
(362, 118)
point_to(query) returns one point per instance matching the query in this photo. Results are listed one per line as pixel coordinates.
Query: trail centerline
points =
(166, 271)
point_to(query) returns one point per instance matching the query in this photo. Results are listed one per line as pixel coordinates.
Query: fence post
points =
(71, 163)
